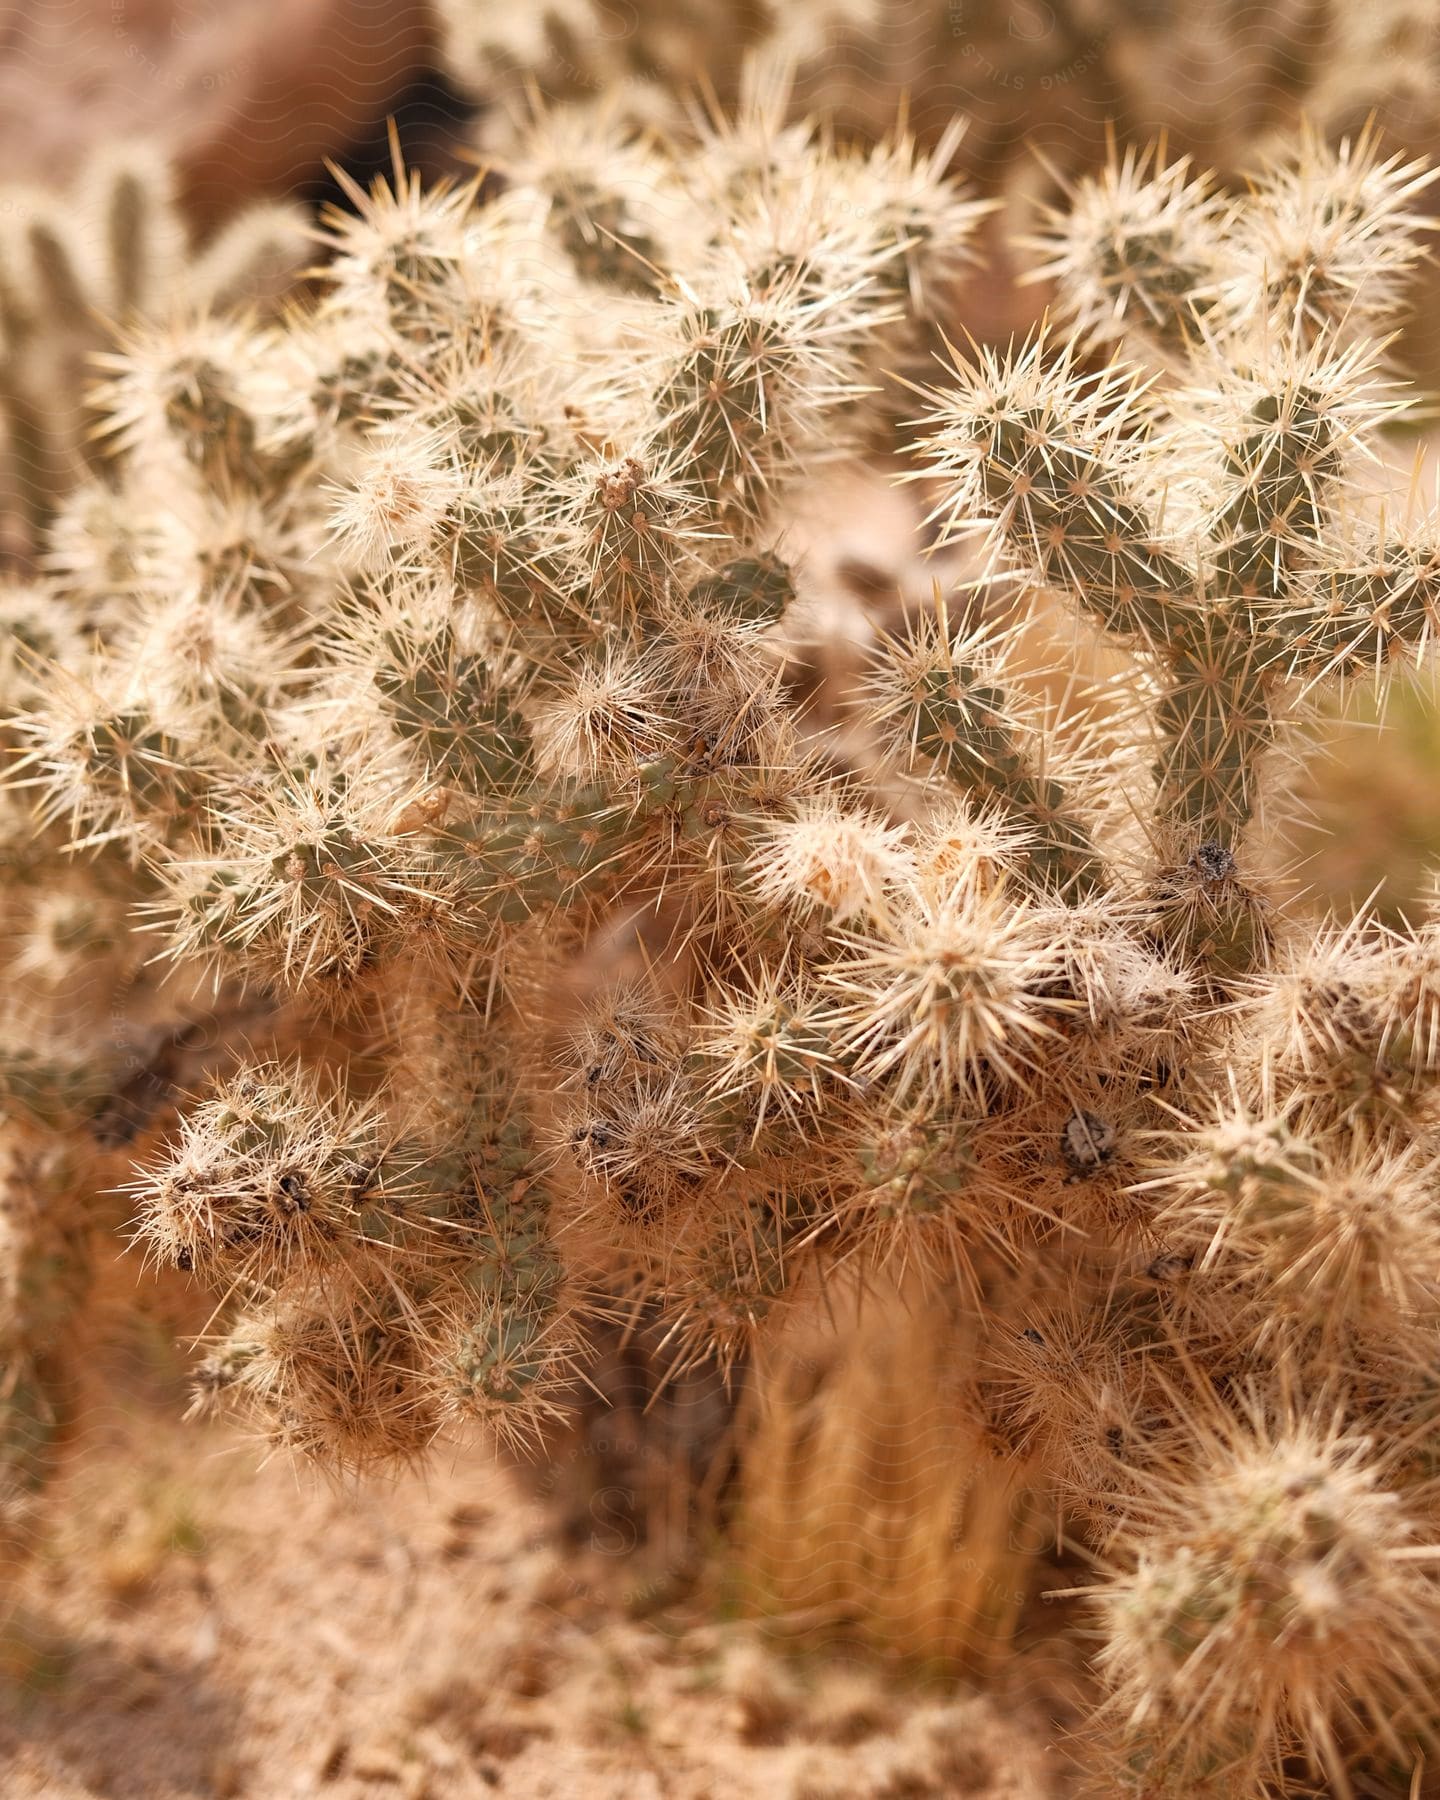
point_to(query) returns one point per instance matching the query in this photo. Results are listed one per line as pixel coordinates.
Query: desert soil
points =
(192, 1624)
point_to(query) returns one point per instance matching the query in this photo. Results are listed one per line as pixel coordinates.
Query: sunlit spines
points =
(99, 543)
(601, 722)
(638, 520)
(215, 665)
(1357, 610)
(110, 765)
(1345, 1019)
(959, 845)
(759, 361)
(944, 698)
(454, 695)
(1046, 455)
(396, 249)
(611, 201)
(946, 995)
(1275, 1599)
(1118, 1007)
(478, 570)
(826, 858)
(110, 250)
(723, 679)
(506, 1370)
(1215, 721)
(1327, 1243)
(405, 483)
(1136, 251)
(1327, 239)
(1286, 425)
(910, 198)
(181, 393)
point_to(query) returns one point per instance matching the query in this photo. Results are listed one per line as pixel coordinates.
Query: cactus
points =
(444, 727)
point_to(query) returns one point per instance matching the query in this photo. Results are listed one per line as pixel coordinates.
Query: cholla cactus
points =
(444, 711)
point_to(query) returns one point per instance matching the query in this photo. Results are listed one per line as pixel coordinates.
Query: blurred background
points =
(189, 1627)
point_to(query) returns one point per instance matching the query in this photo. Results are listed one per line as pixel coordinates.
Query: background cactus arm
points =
(1356, 616)
(1137, 252)
(943, 698)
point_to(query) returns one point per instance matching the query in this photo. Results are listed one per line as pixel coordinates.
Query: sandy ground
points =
(191, 1625)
